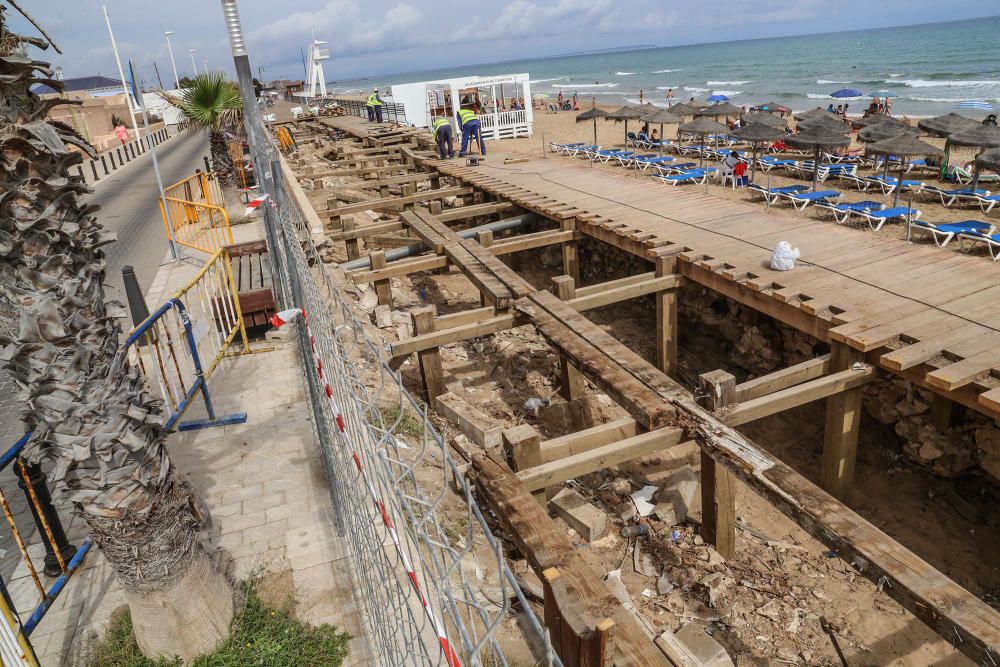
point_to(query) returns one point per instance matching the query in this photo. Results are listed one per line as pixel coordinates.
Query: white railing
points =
(506, 124)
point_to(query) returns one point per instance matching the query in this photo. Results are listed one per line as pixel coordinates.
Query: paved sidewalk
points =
(264, 484)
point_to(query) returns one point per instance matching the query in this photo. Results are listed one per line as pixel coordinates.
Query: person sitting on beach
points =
(840, 110)
(888, 106)
(830, 108)
(654, 137)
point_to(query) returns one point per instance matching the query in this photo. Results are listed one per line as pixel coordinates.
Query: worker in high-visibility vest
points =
(469, 122)
(442, 136)
(374, 107)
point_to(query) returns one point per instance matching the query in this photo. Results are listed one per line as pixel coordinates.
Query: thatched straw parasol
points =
(661, 117)
(818, 138)
(815, 113)
(945, 126)
(719, 110)
(756, 134)
(684, 109)
(882, 131)
(764, 118)
(829, 122)
(903, 145)
(980, 136)
(772, 107)
(876, 119)
(703, 127)
(592, 113)
(989, 160)
(626, 113)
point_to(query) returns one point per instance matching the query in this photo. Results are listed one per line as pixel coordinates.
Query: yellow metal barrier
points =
(196, 209)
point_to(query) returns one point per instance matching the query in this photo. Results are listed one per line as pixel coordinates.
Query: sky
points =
(372, 37)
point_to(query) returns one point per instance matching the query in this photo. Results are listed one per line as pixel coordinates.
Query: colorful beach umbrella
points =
(979, 105)
(846, 92)
(773, 107)
(718, 98)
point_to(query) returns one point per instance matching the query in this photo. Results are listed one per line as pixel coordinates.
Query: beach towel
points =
(784, 256)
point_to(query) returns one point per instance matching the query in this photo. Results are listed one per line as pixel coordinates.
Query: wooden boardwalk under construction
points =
(930, 314)
(927, 314)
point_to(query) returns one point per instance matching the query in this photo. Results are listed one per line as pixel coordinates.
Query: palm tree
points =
(213, 104)
(96, 425)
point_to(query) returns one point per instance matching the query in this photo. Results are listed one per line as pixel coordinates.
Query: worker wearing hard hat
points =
(442, 136)
(469, 122)
(374, 107)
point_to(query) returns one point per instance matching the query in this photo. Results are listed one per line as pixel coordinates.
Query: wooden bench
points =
(252, 274)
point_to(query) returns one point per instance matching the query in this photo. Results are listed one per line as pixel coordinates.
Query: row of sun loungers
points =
(875, 214)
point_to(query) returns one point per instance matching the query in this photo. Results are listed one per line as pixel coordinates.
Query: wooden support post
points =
(382, 288)
(435, 206)
(353, 244)
(666, 320)
(383, 191)
(436, 181)
(718, 506)
(524, 450)
(552, 619)
(720, 388)
(409, 189)
(571, 260)
(485, 239)
(843, 419)
(942, 413)
(431, 371)
(573, 387)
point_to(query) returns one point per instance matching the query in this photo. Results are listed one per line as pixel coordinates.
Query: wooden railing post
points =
(843, 421)
(718, 493)
(382, 287)
(666, 319)
(431, 371)
(573, 387)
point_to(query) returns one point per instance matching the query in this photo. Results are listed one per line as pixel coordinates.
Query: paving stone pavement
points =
(264, 484)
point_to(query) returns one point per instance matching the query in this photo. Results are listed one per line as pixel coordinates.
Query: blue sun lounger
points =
(611, 154)
(631, 160)
(802, 199)
(774, 193)
(890, 183)
(645, 163)
(942, 233)
(876, 219)
(675, 167)
(992, 242)
(693, 176)
(768, 162)
(949, 197)
(574, 150)
(564, 148)
(988, 202)
(842, 211)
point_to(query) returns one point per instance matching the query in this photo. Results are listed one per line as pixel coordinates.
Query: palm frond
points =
(211, 102)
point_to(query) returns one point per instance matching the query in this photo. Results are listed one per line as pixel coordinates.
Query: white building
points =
(491, 97)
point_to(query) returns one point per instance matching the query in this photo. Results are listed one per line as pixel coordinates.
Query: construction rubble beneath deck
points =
(691, 459)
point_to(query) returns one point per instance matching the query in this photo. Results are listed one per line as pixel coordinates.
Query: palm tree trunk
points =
(95, 422)
(222, 159)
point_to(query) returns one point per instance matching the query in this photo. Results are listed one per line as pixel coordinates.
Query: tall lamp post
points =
(206, 66)
(194, 67)
(177, 80)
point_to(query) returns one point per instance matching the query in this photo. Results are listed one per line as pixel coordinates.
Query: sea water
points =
(928, 69)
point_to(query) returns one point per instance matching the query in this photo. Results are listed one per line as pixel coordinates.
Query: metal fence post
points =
(31, 481)
(105, 165)
(93, 167)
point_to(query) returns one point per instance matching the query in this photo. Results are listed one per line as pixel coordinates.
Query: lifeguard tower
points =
(317, 79)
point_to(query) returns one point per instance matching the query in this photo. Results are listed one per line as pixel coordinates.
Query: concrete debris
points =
(717, 585)
(587, 520)
(683, 489)
(367, 300)
(642, 560)
(707, 651)
(642, 498)
(383, 317)
(947, 454)
(772, 610)
(663, 585)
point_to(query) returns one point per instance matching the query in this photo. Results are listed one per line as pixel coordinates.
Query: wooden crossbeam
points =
(783, 379)
(374, 184)
(800, 394)
(575, 465)
(465, 212)
(588, 439)
(384, 202)
(471, 264)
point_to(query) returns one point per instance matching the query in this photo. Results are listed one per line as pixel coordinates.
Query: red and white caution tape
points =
(290, 316)
(255, 203)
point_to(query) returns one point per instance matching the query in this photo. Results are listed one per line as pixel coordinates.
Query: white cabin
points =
(491, 97)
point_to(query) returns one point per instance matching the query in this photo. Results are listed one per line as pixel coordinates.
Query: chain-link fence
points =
(430, 577)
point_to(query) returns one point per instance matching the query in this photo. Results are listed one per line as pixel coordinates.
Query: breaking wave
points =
(727, 93)
(664, 71)
(696, 90)
(584, 85)
(827, 82)
(945, 83)
(624, 73)
(727, 83)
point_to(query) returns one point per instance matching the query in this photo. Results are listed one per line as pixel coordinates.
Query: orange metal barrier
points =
(196, 208)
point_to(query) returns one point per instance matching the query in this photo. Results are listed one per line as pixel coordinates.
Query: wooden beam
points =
(588, 439)
(358, 171)
(718, 506)
(545, 547)
(470, 420)
(666, 319)
(719, 388)
(466, 212)
(606, 297)
(529, 241)
(375, 184)
(365, 230)
(399, 268)
(779, 401)
(382, 288)
(843, 422)
(385, 202)
(435, 339)
(468, 257)
(570, 252)
(595, 459)
(573, 386)
(783, 379)
(431, 371)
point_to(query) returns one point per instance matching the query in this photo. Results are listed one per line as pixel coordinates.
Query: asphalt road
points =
(129, 201)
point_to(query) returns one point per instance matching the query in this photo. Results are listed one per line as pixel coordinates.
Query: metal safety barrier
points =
(196, 209)
(430, 577)
(181, 343)
(392, 112)
(60, 562)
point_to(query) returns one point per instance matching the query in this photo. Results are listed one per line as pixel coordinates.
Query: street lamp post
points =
(194, 67)
(177, 80)
(206, 66)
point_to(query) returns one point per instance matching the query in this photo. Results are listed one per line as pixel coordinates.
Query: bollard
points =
(208, 169)
(31, 473)
(79, 170)
(111, 157)
(133, 293)
(93, 167)
(105, 165)
(120, 161)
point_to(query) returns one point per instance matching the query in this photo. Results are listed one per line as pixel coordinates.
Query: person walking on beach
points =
(375, 107)
(641, 97)
(442, 137)
(670, 97)
(469, 122)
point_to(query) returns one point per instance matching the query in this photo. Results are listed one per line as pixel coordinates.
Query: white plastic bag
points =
(784, 256)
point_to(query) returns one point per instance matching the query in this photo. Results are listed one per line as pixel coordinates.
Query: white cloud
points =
(522, 18)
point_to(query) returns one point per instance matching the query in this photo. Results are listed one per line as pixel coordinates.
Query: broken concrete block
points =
(479, 427)
(282, 335)
(707, 651)
(666, 513)
(683, 488)
(383, 317)
(583, 517)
